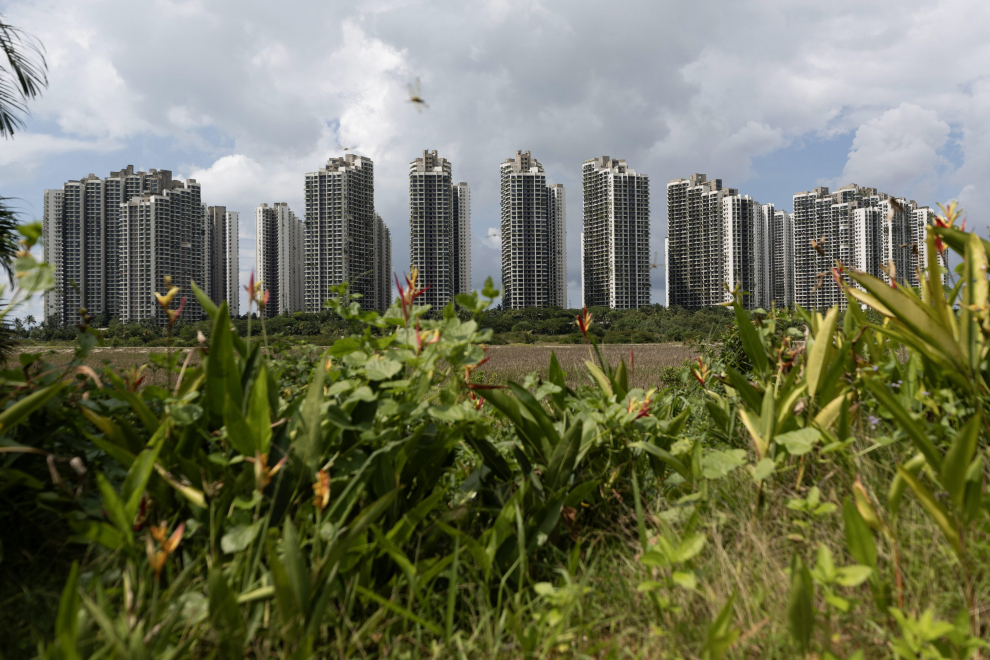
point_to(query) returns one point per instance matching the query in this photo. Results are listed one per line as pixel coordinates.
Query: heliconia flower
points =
(584, 322)
(478, 401)
(700, 373)
(641, 408)
(250, 286)
(166, 300)
(158, 558)
(321, 490)
(262, 473)
(408, 295)
(173, 314)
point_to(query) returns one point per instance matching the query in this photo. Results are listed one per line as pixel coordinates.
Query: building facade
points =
(161, 236)
(431, 227)
(91, 232)
(383, 265)
(528, 263)
(461, 205)
(340, 227)
(780, 258)
(615, 250)
(221, 265)
(281, 258)
(694, 247)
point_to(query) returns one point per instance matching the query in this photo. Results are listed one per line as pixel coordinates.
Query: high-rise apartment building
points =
(780, 258)
(161, 235)
(527, 260)
(281, 254)
(431, 227)
(694, 246)
(461, 204)
(557, 233)
(221, 267)
(383, 265)
(615, 261)
(51, 229)
(88, 231)
(858, 226)
(340, 227)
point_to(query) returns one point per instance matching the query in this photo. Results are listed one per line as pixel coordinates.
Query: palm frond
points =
(22, 78)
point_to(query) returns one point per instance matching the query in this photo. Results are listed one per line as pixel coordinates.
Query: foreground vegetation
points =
(811, 485)
(647, 325)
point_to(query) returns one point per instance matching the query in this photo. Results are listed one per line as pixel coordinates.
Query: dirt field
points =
(510, 362)
(513, 362)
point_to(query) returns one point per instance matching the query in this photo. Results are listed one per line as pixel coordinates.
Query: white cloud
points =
(899, 151)
(249, 97)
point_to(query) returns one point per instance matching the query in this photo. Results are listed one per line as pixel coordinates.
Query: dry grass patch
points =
(513, 362)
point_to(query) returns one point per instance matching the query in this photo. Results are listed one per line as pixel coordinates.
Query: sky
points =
(772, 96)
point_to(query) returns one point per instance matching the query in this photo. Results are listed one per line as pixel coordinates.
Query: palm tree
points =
(21, 79)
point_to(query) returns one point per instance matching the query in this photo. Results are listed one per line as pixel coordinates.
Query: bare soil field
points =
(509, 362)
(513, 362)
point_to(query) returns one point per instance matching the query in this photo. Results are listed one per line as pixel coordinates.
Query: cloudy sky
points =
(773, 96)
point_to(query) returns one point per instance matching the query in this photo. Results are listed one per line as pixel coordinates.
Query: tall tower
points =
(431, 230)
(280, 257)
(616, 237)
(86, 239)
(161, 235)
(557, 234)
(51, 229)
(527, 261)
(693, 248)
(461, 205)
(340, 218)
(741, 216)
(383, 265)
(222, 265)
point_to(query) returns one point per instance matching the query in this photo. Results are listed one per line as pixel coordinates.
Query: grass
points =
(514, 361)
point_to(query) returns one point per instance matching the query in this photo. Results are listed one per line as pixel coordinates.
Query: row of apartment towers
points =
(718, 240)
(114, 241)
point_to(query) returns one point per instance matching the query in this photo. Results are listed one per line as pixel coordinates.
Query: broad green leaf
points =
(685, 580)
(752, 344)
(67, 619)
(380, 368)
(721, 635)
(957, 459)
(689, 548)
(798, 442)
(204, 301)
(115, 508)
(21, 408)
(185, 414)
(222, 377)
(749, 394)
(762, 469)
(852, 576)
(664, 456)
(934, 509)
(859, 538)
(801, 609)
(820, 351)
(759, 442)
(239, 434)
(717, 464)
(259, 412)
(225, 617)
(599, 377)
(240, 537)
(913, 428)
(137, 476)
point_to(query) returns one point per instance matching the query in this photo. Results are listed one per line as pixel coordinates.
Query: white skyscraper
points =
(616, 240)
(51, 229)
(431, 227)
(340, 228)
(222, 262)
(557, 233)
(383, 265)
(528, 264)
(461, 205)
(161, 235)
(90, 233)
(280, 251)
